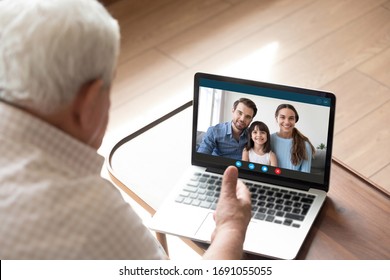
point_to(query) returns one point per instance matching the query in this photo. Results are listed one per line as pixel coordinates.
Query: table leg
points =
(162, 238)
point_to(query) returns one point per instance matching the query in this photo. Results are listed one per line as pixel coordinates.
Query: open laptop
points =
(285, 202)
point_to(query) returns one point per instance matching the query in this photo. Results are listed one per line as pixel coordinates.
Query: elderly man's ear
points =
(89, 113)
(84, 105)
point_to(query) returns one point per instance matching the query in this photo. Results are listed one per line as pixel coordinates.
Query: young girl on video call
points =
(258, 148)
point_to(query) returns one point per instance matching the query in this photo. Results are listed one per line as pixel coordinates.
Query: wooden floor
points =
(337, 45)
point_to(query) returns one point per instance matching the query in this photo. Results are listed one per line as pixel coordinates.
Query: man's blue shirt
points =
(219, 141)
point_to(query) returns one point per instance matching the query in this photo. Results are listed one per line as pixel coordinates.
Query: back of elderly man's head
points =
(50, 48)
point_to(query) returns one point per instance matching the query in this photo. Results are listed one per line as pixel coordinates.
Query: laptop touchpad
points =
(206, 228)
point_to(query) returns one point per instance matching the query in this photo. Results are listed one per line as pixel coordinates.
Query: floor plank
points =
(321, 18)
(131, 10)
(381, 178)
(218, 32)
(365, 144)
(165, 22)
(150, 105)
(387, 5)
(337, 53)
(355, 93)
(140, 74)
(378, 67)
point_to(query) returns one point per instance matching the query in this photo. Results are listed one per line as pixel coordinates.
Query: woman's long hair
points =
(298, 149)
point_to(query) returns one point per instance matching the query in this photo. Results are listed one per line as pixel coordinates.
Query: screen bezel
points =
(219, 164)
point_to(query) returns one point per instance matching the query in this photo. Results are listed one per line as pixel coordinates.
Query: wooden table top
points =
(354, 222)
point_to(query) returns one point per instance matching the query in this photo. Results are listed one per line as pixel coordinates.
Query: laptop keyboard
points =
(269, 203)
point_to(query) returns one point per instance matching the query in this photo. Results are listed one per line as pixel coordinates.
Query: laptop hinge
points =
(252, 177)
(215, 170)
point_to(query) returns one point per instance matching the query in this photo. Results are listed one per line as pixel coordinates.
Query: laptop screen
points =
(273, 133)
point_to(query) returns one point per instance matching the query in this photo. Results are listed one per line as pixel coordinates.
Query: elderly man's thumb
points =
(229, 182)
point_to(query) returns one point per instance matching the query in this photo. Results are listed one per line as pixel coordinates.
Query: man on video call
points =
(228, 139)
(58, 59)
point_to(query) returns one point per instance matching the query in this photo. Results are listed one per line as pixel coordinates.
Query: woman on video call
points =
(293, 149)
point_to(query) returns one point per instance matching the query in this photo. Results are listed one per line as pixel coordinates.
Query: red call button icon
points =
(278, 171)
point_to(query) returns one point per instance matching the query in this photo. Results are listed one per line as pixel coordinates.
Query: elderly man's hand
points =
(231, 217)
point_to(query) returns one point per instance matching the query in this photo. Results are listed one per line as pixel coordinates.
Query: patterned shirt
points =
(54, 203)
(219, 141)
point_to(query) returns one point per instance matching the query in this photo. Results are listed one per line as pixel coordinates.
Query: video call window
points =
(215, 106)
